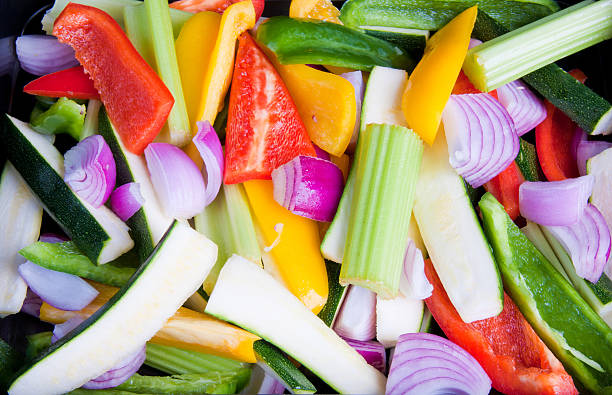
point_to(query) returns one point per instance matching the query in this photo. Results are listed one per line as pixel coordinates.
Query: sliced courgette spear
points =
(174, 271)
(97, 232)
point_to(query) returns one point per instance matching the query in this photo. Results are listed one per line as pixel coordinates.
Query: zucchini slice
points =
(147, 225)
(454, 239)
(274, 362)
(97, 232)
(20, 218)
(249, 297)
(173, 272)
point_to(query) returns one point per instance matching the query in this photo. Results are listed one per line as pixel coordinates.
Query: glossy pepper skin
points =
(135, 98)
(300, 41)
(507, 348)
(72, 83)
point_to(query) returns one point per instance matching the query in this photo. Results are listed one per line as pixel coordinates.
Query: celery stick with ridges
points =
(160, 28)
(387, 166)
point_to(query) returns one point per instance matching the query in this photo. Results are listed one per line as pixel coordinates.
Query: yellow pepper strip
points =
(236, 19)
(295, 245)
(343, 162)
(194, 47)
(432, 81)
(329, 122)
(323, 10)
(187, 329)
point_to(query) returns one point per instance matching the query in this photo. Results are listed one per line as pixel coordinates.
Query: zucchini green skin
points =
(433, 14)
(413, 44)
(65, 257)
(576, 100)
(274, 358)
(9, 364)
(335, 296)
(563, 320)
(299, 41)
(57, 198)
(143, 241)
(527, 161)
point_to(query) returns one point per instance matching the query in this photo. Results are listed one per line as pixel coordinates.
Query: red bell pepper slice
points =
(214, 5)
(264, 129)
(464, 86)
(135, 98)
(72, 83)
(506, 346)
(554, 138)
(505, 188)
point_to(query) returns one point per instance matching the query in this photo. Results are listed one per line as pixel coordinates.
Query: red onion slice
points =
(357, 317)
(356, 79)
(555, 203)
(481, 137)
(587, 242)
(426, 363)
(321, 154)
(271, 385)
(61, 330)
(585, 150)
(119, 374)
(42, 54)
(372, 351)
(61, 290)
(126, 200)
(90, 170)
(177, 181)
(309, 187)
(413, 281)
(525, 108)
(31, 304)
(208, 144)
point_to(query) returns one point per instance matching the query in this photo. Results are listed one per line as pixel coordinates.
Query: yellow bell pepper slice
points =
(186, 329)
(194, 47)
(295, 246)
(431, 83)
(236, 19)
(326, 104)
(323, 10)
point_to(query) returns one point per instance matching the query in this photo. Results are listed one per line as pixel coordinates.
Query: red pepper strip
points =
(72, 83)
(136, 99)
(506, 346)
(214, 5)
(505, 188)
(463, 86)
(554, 141)
(264, 129)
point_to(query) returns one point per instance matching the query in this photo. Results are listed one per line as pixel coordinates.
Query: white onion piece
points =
(428, 364)
(555, 203)
(61, 290)
(481, 137)
(356, 79)
(413, 281)
(525, 108)
(90, 170)
(177, 181)
(42, 54)
(357, 317)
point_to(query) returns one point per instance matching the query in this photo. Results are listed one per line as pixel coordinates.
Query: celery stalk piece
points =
(387, 166)
(174, 360)
(161, 33)
(539, 43)
(115, 8)
(228, 222)
(65, 257)
(90, 127)
(64, 116)
(137, 30)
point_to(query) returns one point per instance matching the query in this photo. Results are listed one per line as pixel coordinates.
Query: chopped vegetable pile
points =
(400, 197)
